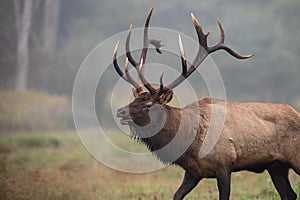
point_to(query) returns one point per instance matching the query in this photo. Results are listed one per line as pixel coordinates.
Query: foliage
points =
(34, 111)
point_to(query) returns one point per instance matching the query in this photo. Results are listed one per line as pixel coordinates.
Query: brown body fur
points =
(254, 134)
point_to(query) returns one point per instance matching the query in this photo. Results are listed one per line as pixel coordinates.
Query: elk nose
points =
(121, 112)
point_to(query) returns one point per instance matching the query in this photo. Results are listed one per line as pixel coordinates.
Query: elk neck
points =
(158, 135)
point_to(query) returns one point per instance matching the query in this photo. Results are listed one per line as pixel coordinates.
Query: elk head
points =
(137, 112)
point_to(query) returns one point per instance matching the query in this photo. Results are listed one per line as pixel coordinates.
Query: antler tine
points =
(183, 74)
(161, 87)
(146, 27)
(220, 45)
(221, 31)
(115, 62)
(149, 87)
(128, 53)
(202, 37)
(183, 59)
(137, 85)
(125, 76)
(145, 40)
(201, 54)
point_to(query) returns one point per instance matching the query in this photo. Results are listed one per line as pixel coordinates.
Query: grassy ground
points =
(56, 166)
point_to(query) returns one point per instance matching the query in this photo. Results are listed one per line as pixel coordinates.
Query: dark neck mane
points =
(156, 139)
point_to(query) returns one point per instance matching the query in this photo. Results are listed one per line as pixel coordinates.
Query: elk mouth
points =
(125, 120)
(123, 113)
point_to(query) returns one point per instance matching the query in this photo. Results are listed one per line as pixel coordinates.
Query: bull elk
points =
(254, 137)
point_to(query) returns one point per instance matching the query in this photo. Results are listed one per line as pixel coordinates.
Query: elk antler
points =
(203, 52)
(139, 66)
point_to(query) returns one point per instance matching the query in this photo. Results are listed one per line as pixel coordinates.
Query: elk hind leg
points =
(279, 174)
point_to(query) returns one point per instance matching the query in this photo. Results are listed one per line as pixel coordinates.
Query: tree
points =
(23, 23)
(50, 25)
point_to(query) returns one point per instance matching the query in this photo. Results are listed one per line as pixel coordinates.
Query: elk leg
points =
(279, 174)
(188, 183)
(223, 180)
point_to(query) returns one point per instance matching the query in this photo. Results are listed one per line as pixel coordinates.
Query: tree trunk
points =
(23, 22)
(51, 22)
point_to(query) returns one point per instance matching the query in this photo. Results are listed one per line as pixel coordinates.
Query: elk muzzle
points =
(124, 114)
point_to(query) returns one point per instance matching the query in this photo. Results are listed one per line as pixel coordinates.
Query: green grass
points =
(56, 166)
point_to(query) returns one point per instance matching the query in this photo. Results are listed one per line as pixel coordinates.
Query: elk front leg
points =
(188, 183)
(223, 180)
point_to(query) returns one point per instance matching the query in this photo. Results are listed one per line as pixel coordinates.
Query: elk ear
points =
(166, 97)
(135, 93)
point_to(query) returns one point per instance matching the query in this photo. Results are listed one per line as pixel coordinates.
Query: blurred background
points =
(43, 43)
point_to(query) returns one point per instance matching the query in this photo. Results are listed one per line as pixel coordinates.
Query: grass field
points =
(57, 166)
